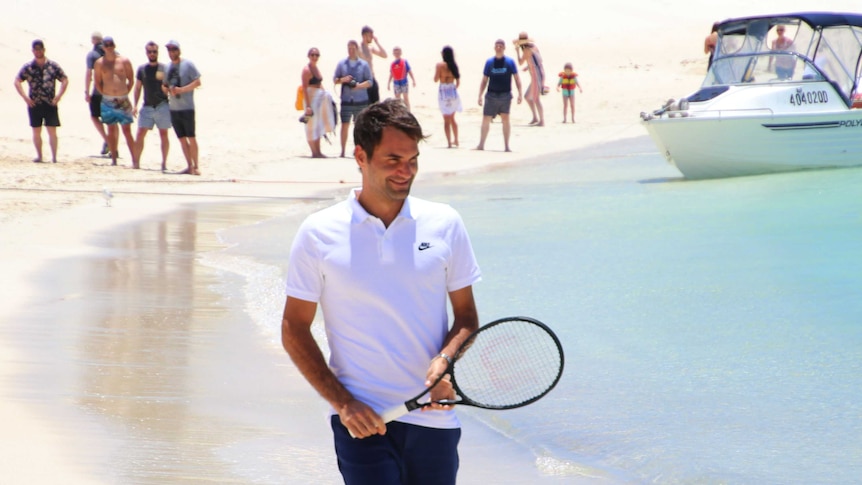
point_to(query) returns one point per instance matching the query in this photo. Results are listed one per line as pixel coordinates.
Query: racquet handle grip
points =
(394, 413)
(390, 414)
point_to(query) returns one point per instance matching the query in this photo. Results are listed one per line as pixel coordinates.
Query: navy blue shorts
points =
(406, 454)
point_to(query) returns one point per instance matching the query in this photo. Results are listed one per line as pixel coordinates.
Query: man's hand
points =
(361, 420)
(443, 390)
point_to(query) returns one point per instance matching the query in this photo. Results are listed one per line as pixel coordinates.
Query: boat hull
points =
(730, 146)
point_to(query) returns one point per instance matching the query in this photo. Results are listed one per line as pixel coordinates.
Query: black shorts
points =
(184, 123)
(95, 105)
(44, 112)
(374, 93)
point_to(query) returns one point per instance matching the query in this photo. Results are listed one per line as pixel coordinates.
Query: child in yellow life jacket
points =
(567, 84)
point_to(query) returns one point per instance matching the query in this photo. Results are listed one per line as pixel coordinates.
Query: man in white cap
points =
(181, 80)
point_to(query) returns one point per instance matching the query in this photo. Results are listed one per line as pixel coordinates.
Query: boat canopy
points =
(817, 46)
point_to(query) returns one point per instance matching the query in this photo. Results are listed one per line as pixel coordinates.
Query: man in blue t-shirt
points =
(498, 74)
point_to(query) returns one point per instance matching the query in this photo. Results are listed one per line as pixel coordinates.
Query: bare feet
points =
(480, 147)
(533, 121)
(37, 160)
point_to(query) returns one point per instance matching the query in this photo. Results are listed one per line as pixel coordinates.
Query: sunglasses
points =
(109, 45)
(152, 52)
(314, 55)
(171, 49)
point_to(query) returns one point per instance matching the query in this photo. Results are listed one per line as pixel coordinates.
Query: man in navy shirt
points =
(499, 71)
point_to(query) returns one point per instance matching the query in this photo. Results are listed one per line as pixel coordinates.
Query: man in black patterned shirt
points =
(42, 75)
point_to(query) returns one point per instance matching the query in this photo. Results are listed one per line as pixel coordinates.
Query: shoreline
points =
(252, 146)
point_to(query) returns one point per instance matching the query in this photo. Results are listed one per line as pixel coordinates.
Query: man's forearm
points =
(306, 355)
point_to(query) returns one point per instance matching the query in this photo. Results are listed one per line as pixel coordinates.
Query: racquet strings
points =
(508, 364)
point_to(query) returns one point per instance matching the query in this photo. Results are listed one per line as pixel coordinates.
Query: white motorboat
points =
(770, 104)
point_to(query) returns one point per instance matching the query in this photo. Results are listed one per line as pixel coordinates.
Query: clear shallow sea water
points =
(712, 328)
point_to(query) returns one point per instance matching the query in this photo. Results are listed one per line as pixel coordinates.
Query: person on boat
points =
(784, 64)
(710, 43)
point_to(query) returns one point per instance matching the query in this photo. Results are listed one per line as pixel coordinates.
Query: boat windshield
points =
(780, 49)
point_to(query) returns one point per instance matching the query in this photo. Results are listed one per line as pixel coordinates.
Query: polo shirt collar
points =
(359, 214)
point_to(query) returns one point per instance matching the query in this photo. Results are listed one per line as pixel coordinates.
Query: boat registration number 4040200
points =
(809, 97)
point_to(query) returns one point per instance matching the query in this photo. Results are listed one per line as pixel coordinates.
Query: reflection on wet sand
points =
(145, 362)
(163, 368)
(141, 337)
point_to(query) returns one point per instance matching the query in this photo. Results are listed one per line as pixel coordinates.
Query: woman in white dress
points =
(450, 103)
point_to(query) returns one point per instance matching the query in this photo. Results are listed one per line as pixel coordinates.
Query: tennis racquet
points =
(505, 364)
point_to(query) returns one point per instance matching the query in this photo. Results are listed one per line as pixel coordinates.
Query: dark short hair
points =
(367, 29)
(391, 113)
(151, 44)
(38, 43)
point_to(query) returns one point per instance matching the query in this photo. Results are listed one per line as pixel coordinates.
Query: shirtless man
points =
(114, 79)
(366, 52)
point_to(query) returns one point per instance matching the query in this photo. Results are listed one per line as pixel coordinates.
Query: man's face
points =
(109, 47)
(351, 50)
(368, 37)
(389, 173)
(39, 52)
(152, 53)
(173, 52)
(499, 48)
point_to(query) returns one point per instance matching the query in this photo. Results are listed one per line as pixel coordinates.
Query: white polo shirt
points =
(384, 293)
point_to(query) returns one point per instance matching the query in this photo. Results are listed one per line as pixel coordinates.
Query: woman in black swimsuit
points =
(312, 81)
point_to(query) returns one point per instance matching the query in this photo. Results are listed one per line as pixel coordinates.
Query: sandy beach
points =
(630, 57)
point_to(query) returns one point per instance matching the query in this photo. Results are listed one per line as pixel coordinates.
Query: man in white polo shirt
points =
(382, 265)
